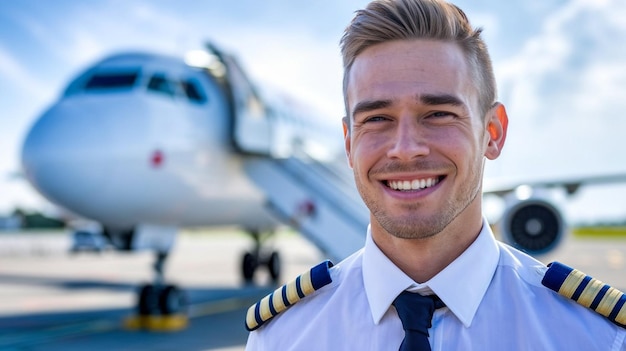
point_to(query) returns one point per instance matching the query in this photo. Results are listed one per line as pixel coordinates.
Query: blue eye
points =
(376, 119)
(442, 114)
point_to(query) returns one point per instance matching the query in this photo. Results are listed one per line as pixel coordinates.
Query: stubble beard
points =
(416, 226)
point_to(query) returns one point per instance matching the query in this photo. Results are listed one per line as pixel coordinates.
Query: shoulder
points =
(586, 291)
(316, 284)
(523, 266)
(287, 295)
(565, 286)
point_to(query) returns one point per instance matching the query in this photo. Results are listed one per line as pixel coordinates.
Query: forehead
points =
(409, 68)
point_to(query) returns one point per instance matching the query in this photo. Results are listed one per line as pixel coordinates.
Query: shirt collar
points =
(461, 285)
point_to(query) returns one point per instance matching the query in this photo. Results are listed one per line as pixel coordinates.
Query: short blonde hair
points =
(386, 20)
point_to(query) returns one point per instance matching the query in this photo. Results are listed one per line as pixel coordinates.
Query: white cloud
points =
(564, 91)
(299, 65)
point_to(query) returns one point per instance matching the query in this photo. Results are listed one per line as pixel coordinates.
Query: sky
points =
(560, 67)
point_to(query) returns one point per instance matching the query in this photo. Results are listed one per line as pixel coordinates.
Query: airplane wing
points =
(571, 185)
(531, 222)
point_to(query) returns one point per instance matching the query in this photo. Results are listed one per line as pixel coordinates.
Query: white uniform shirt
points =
(494, 301)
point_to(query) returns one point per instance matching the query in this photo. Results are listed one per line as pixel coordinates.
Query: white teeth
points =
(416, 184)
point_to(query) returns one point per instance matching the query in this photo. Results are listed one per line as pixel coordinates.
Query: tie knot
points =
(416, 311)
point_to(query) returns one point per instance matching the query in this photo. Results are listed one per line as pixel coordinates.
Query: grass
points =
(618, 231)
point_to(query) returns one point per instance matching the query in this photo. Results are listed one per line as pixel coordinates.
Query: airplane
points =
(145, 144)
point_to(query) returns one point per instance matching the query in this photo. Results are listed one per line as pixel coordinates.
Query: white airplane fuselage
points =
(129, 143)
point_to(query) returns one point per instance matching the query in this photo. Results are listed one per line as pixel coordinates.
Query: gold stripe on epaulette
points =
(604, 299)
(290, 293)
(608, 302)
(251, 322)
(590, 292)
(306, 285)
(264, 308)
(277, 301)
(571, 283)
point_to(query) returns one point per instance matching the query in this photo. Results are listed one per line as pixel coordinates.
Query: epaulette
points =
(587, 291)
(290, 293)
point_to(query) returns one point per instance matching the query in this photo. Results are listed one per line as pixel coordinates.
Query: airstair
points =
(317, 198)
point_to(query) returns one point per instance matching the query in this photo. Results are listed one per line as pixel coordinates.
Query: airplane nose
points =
(73, 151)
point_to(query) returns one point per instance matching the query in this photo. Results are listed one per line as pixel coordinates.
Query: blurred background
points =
(559, 66)
(561, 71)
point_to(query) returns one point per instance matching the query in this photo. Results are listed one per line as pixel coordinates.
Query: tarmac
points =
(53, 300)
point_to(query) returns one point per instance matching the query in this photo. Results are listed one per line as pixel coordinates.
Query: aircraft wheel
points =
(148, 300)
(248, 266)
(172, 300)
(274, 266)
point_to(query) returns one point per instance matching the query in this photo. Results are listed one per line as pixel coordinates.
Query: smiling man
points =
(415, 119)
(421, 120)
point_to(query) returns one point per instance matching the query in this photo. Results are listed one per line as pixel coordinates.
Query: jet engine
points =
(532, 225)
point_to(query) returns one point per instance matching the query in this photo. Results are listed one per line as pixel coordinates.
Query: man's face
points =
(416, 142)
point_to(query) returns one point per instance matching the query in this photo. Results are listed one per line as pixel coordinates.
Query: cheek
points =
(369, 144)
(452, 139)
(463, 148)
(363, 153)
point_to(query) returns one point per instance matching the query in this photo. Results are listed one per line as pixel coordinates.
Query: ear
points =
(346, 137)
(497, 125)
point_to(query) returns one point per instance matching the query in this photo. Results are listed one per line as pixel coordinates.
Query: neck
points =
(422, 259)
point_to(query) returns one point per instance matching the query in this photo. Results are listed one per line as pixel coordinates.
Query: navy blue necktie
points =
(416, 313)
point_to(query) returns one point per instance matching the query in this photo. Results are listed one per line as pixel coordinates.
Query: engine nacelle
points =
(533, 225)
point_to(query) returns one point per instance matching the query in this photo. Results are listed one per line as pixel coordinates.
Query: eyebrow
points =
(440, 99)
(371, 105)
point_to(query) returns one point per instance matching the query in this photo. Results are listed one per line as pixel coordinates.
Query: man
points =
(421, 118)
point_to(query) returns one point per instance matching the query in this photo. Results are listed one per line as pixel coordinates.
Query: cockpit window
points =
(160, 84)
(113, 80)
(193, 92)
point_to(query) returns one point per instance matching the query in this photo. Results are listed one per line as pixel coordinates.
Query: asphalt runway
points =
(52, 300)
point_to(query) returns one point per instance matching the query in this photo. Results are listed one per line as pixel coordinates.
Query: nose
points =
(409, 141)
(74, 152)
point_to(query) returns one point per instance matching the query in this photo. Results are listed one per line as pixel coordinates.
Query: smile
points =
(415, 184)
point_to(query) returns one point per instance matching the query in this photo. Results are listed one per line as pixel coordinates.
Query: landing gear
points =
(161, 300)
(148, 303)
(172, 300)
(256, 258)
(121, 239)
(248, 266)
(160, 306)
(273, 264)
